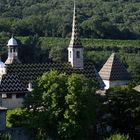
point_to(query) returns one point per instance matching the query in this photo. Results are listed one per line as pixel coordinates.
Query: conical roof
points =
(75, 41)
(113, 69)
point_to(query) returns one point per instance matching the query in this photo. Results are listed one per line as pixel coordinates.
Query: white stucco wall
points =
(13, 102)
(75, 62)
(107, 84)
(114, 83)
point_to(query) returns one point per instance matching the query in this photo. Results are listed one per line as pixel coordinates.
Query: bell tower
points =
(75, 49)
(12, 52)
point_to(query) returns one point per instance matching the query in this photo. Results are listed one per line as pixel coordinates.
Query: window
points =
(77, 54)
(70, 54)
(9, 96)
(4, 96)
(11, 50)
(18, 95)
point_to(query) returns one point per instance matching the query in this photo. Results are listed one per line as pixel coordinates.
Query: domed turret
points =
(12, 42)
(12, 52)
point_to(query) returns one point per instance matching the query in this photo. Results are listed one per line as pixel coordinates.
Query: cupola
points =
(12, 52)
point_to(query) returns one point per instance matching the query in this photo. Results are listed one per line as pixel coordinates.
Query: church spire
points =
(75, 49)
(75, 41)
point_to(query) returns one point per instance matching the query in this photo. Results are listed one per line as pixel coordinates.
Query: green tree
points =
(118, 137)
(58, 54)
(61, 107)
(5, 136)
(14, 117)
(124, 107)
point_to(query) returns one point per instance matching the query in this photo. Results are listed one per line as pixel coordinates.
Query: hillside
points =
(114, 19)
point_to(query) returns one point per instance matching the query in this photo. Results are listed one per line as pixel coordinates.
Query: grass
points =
(87, 43)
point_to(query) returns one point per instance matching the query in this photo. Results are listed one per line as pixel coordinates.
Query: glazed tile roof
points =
(12, 83)
(113, 69)
(19, 75)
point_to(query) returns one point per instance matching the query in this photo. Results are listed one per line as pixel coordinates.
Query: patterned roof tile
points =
(19, 75)
(113, 69)
(12, 83)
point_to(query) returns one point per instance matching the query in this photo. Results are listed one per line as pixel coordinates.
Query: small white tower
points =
(12, 52)
(75, 49)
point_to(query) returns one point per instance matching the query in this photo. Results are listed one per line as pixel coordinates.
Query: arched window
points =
(70, 54)
(77, 54)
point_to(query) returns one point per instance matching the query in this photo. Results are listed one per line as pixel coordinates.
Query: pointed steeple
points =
(75, 41)
(75, 49)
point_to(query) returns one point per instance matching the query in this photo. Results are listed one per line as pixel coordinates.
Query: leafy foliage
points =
(61, 107)
(124, 106)
(5, 137)
(98, 18)
(14, 117)
(118, 137)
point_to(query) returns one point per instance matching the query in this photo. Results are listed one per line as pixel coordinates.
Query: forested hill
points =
(97, 18)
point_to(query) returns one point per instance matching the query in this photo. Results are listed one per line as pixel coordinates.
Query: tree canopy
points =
(61, 106)
(98, 18)
(124, 107)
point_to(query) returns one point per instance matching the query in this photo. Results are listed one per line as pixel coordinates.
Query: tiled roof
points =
(113, 69)
(29, 72)
(12, 83)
